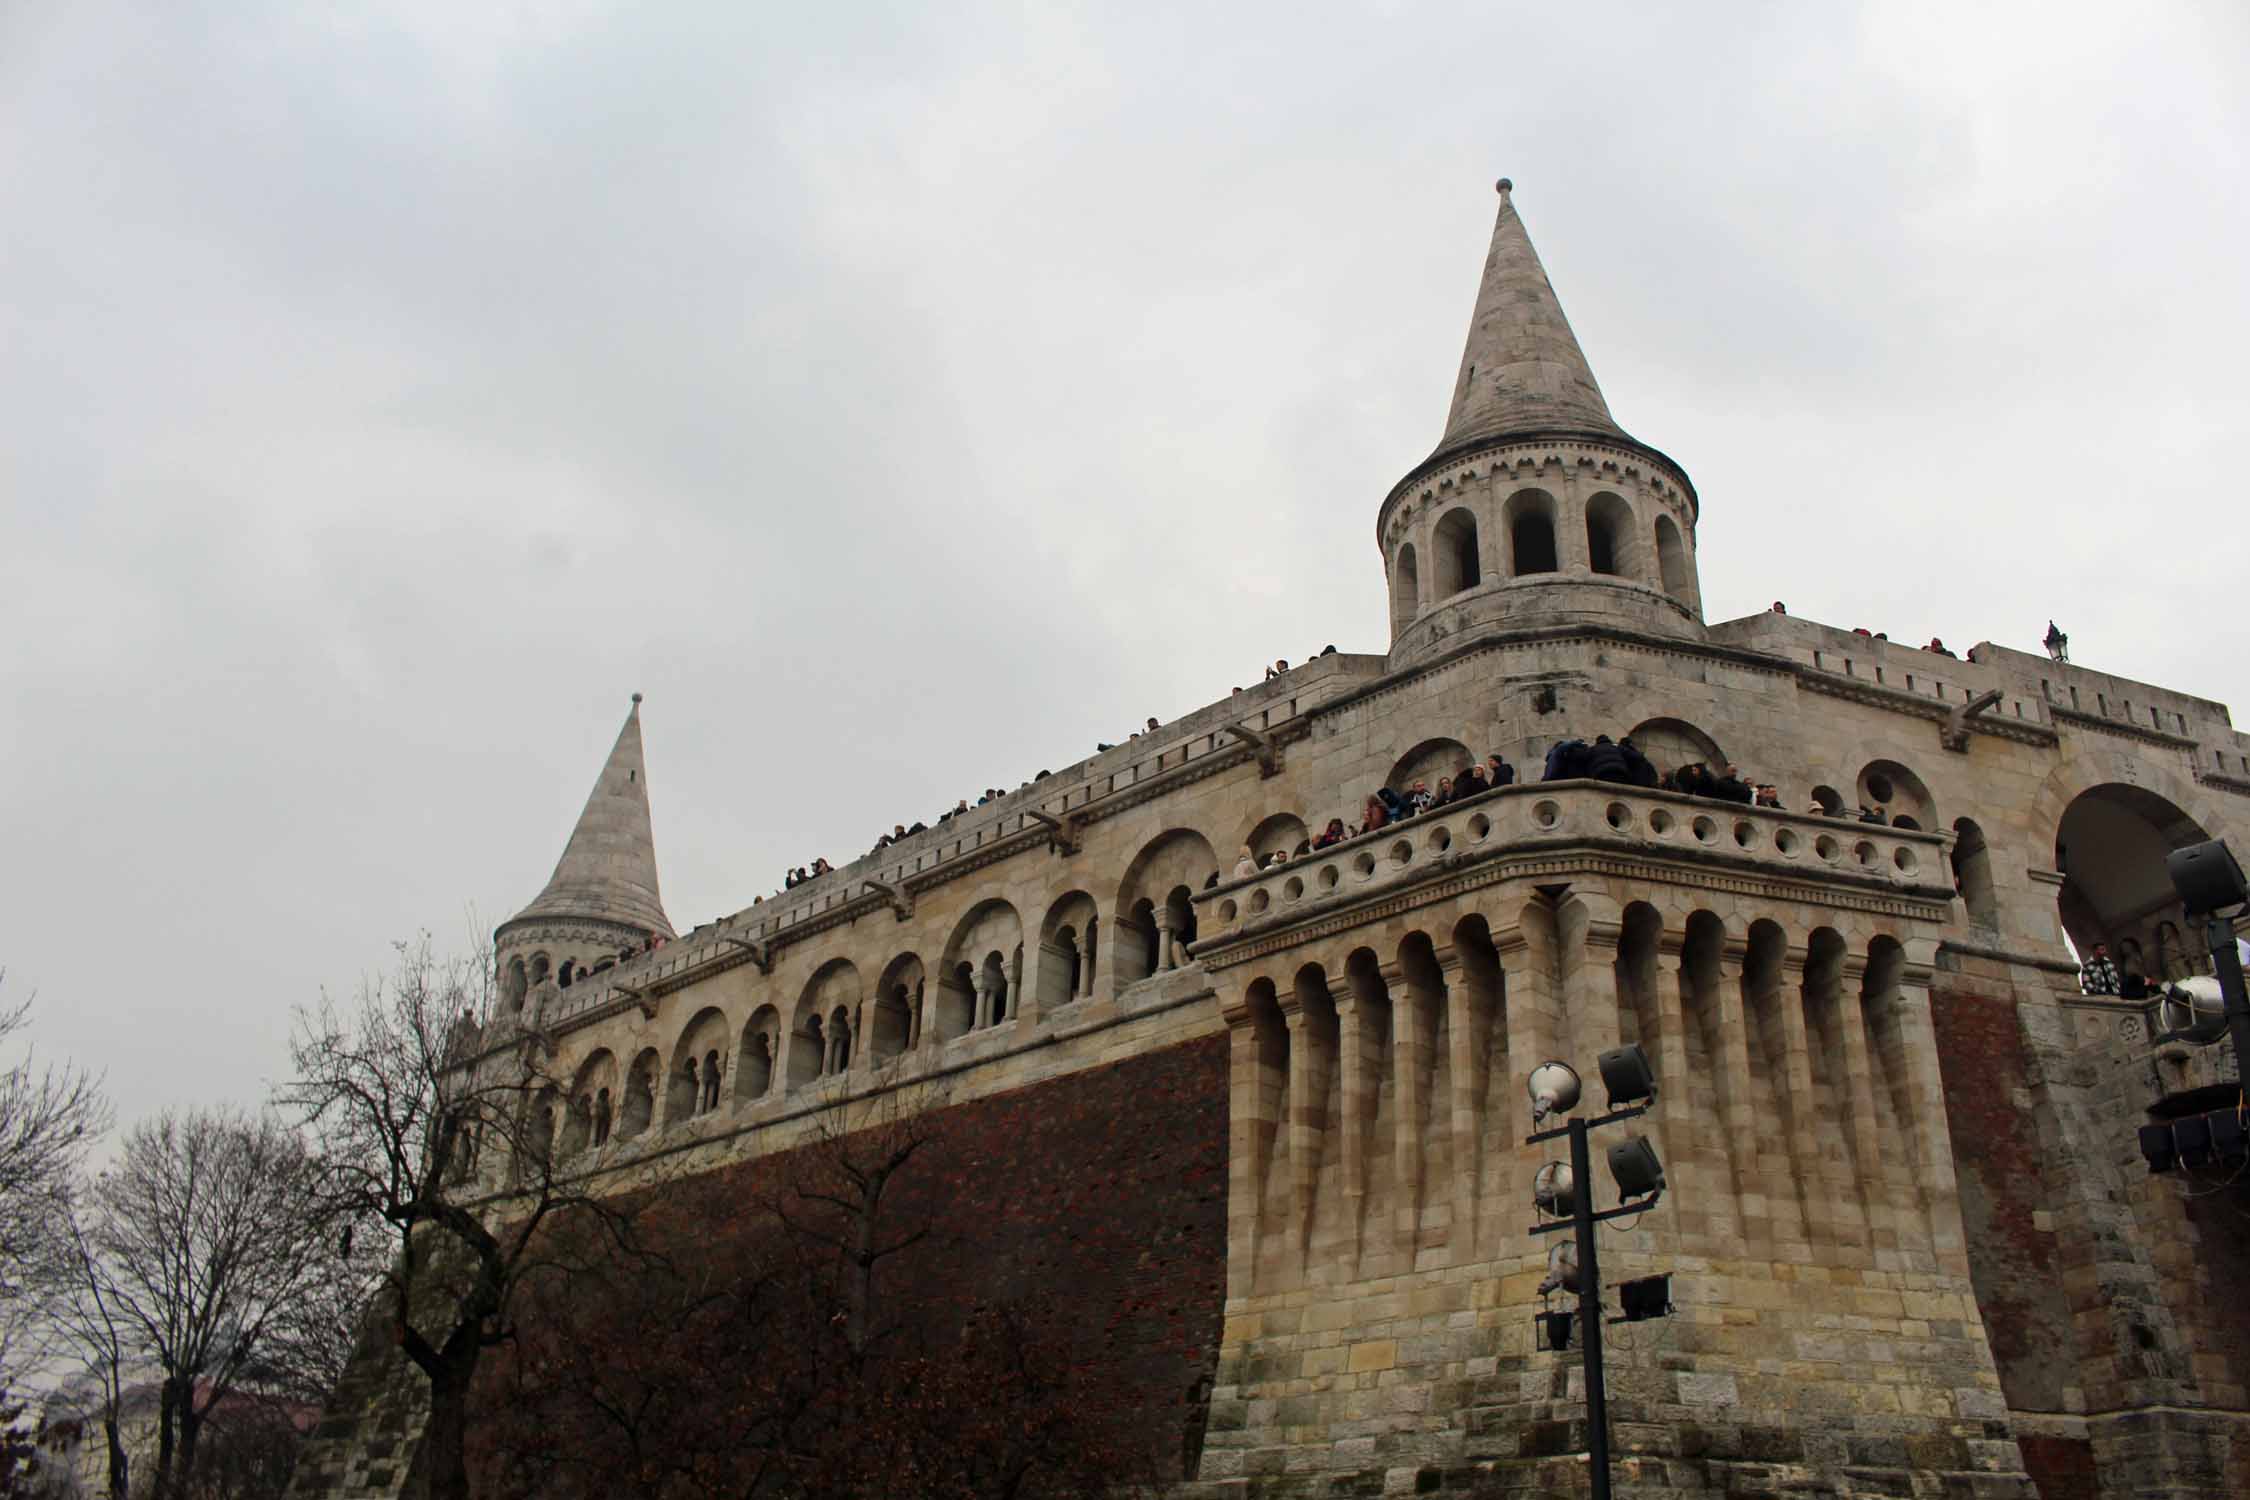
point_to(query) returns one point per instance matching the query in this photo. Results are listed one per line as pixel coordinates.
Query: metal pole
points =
(1590, 1309)
(2226, 966)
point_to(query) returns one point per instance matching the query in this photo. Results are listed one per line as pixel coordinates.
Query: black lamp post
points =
(1554, 1089)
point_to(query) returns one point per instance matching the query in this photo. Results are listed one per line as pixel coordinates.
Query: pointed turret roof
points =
(1522, 371)
(607, 872)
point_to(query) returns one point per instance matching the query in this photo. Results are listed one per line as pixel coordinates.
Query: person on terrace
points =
(1332, 834)
(2098, 975)
(1247, 864)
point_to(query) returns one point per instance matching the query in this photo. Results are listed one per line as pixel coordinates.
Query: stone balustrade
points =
(1549, 817)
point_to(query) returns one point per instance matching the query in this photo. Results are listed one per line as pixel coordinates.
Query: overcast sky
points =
(906, 397)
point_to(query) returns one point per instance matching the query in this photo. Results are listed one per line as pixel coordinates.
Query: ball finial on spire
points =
(636, 698)
(1503, 187)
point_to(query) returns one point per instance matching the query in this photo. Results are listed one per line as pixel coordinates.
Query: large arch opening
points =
(639, 1109)
(1612, 544)
(1065, 970)
(1406, 590)
(1672, 743)
(1530, 518)
(895, 1024)
(1454, 544)
(1427, 762)
(697, 1063)
(2110, 846)
(974, 958)
(1279, 833)
(1146, 912)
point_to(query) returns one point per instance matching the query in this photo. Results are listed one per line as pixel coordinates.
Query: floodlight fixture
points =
(2158, 1148)
(1562, 1269)
(2192, 1010)
(2192, 1135)
(2207, 877)
(1554, 1090)
(1645, 1297)
(1554, 1190)
(1553, 1330)
(1633, 1163)
(2227, 1134)
(1627, 1075)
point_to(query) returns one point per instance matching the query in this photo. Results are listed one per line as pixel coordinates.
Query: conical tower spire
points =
(1522, 371)
(607, 872)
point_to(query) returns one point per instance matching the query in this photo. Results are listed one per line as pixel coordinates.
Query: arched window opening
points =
(1671, 558)
(1533, 538)
(539, 968)
(957, 1001)
(601, 1118)
(1905, 802)
(1406, 590)
(1972, 873)
(518, 982)
(1609, 537)
(1828, 800)
(757, 1066)
(839, 1043)
(681, 1091)
(808, 1051)
(640, 1097)
(1529, 517)
(710, 1083)
(1145, 937)
(1455, 544)
(564, 977)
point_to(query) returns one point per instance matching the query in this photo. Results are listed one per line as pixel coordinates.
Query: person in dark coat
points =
(1393, 804)
(1694, 779)
(1639, 769)
(1605, 762)
(1732, 788)
(1469, 783)
(1497, 772)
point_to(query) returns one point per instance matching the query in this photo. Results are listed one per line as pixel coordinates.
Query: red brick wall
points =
(1096, 1201)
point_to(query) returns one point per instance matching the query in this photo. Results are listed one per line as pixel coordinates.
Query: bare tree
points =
(88, 1329)
(204, 1241)
(49, 1114)
(438, 1124)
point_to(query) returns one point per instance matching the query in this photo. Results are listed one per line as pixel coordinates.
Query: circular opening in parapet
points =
(1878, 786)
(1745, 834)
(1402, 851)
(1480, 828)
(1363, 865)
(1440, 840)
(1293, 888)
(1705, 830)
(1546, 814)
(1785, 840)
(1619, 815)
(1227, 911)
(1329, 875)
(1825, 847)
(1660, 822)
(1259, 901)
(1864, 852)
(1905, 860)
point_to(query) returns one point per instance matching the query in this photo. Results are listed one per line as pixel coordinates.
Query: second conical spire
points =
(1522, 371)
(607, 872)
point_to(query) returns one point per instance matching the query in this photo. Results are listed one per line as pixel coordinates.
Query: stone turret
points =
(602, 901)
(1536, 508)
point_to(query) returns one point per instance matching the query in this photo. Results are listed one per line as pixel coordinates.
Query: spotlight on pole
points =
(1554, 1090)
(1552, 1189)
(1633, 1163)
(2206, 877)
(1627, 1076)
(1562, 1269)
(1645, 1297)
(1554, 1330)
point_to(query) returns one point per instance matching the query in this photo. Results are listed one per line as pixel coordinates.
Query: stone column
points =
(1308, 1119)
(1166, 952)
(1798, 1110)
(1765, 1221)
(981, 978)
(1933, 1140)
(1362, 1079)
(1533, 1027)
(1570, 528)
(1472, 1002)
(1858, 1090)
(1591, 933)
(1256, 1097)
(1410, 1048)
(1088, 949)
(1677, 1132)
